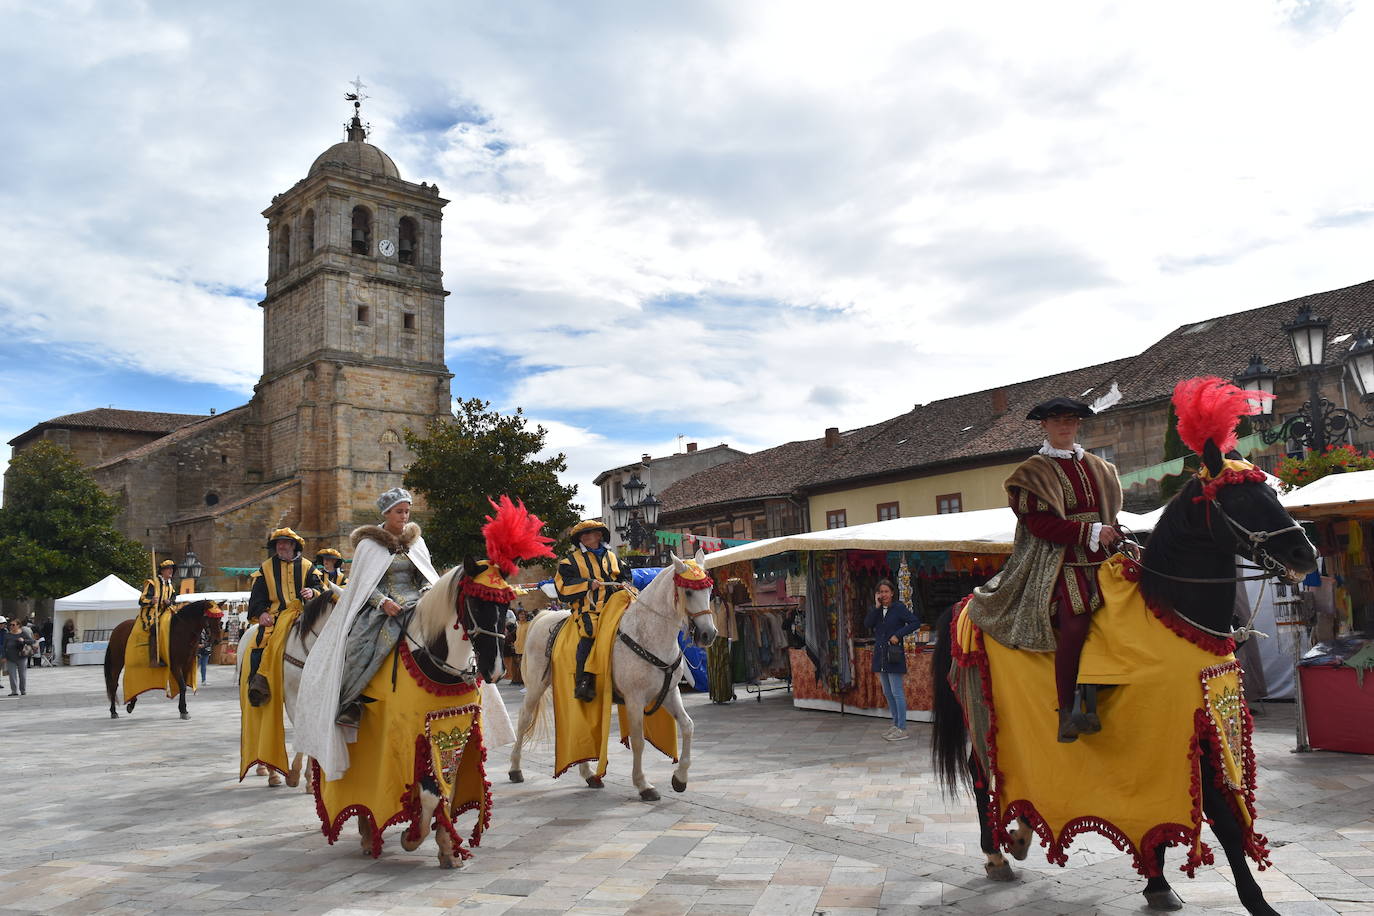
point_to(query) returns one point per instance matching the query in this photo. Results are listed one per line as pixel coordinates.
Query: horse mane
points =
(190, 609)
(437, 606)
(312, 611)
(1173, 544)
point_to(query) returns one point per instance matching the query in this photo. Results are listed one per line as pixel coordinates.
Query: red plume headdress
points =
(513, 534)
(1210, 408)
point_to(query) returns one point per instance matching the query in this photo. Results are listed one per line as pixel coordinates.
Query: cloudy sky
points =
(733, 222)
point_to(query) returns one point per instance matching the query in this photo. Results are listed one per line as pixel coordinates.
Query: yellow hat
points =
(285, 534)
(165, 563)
(329, 552)
(591, 524)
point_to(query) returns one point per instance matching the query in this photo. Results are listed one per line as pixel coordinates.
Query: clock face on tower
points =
(386, 247)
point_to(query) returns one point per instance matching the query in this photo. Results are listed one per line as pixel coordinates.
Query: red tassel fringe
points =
(693, 584)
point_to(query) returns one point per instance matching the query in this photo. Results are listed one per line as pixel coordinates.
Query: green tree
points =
(477, 454)
(57, 529)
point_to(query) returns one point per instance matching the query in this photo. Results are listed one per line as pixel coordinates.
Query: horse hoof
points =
(595, 782)
(679, 785)
(1001, 872)
(650, 794)
(129, 707)
(292, 781)
(447, 863)
(273, 781)
(411, 843)
(113, 714)
(516, 776)
(1019, 846)
(186, 715)
(1165, 900)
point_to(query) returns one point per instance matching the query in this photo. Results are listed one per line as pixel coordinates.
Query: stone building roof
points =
(1223, 345)
(965, 428)
(185, 431)
(109, 419)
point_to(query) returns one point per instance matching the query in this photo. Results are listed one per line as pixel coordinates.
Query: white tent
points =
(1335, 494)
(981, 531)
(95, 609)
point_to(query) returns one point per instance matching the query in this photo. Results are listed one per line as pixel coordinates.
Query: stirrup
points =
(585, 689)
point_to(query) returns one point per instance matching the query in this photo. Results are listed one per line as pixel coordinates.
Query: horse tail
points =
(949, 732)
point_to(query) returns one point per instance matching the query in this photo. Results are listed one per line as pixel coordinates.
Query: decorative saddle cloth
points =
(262, 729)
(1138, 781)
(140, 677)
(422, 726)
(582, 730)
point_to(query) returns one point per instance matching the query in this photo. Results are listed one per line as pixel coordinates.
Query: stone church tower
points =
(353, 356)
(353, 332)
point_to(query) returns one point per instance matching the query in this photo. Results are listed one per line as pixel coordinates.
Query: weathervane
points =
(356, 97)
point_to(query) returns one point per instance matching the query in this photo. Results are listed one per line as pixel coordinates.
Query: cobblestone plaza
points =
(788, 811)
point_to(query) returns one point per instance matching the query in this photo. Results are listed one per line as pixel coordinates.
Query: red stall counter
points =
(1339, 712)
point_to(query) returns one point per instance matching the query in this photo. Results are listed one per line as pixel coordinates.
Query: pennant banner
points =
(690, 542)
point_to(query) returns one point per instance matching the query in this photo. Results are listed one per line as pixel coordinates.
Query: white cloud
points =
(762, 218)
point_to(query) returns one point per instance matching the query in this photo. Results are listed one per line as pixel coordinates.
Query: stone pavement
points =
(788, 811)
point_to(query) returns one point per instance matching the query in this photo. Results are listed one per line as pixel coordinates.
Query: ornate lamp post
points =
(1319, 422)
(637, 519)
(189, 569)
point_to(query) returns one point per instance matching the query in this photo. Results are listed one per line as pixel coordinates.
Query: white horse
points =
(652, 620)
(298, 642)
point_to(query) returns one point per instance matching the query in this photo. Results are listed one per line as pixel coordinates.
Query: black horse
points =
(1197, 538)
(187, 622)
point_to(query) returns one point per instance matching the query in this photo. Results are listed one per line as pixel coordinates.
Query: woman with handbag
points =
(19, 645)
(889, 621)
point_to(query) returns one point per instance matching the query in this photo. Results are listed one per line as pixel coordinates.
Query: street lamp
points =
(191, 567)
(636, 518)
(1319, 421)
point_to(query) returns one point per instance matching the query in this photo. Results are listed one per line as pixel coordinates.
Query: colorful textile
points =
(418, 728)
(582, 730)
(139, 676)
(262, 729)
(1138, 781)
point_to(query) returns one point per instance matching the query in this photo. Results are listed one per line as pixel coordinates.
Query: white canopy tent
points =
(95, 610)
(981, 531)
(1333, 495)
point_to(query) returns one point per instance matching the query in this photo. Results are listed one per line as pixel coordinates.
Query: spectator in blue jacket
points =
(889, 621)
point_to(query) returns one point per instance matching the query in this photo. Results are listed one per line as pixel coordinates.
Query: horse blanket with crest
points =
(1138, 781)
(423, 725)
(140, 677)
(582, 730)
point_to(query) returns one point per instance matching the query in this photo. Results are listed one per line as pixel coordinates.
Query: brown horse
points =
(187, 622)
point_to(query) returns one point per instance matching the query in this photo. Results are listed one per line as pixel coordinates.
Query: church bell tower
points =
(353, 333)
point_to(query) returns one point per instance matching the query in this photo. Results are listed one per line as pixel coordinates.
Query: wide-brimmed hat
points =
(329, 552)
(285, 534)
(591, 524)
(165, 563)
(1059, 407)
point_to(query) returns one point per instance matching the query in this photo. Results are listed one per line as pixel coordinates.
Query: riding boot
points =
(584, 687)
(1068, 729)
(259, 690)
(1087, 702)
(350, 715)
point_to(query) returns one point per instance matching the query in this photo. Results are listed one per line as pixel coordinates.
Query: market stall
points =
(821, 585)
(235, 620)
(1337, 607)
(95, 610)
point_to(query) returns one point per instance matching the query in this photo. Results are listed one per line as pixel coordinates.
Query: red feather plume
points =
(514, 535)
(1209, 408)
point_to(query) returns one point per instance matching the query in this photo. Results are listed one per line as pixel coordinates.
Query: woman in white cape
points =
(391, 569)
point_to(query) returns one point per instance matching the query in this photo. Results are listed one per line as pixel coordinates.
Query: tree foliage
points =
(57, 529)
(480, 453)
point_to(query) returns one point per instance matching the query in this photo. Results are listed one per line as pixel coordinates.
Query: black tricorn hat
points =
(1059, 407)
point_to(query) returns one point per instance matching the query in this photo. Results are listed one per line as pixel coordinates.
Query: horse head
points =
(485, 597)
(190, 611)
(693, 597)
(1255, 523)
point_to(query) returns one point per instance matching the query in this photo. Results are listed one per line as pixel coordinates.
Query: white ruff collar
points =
(1075, 452)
